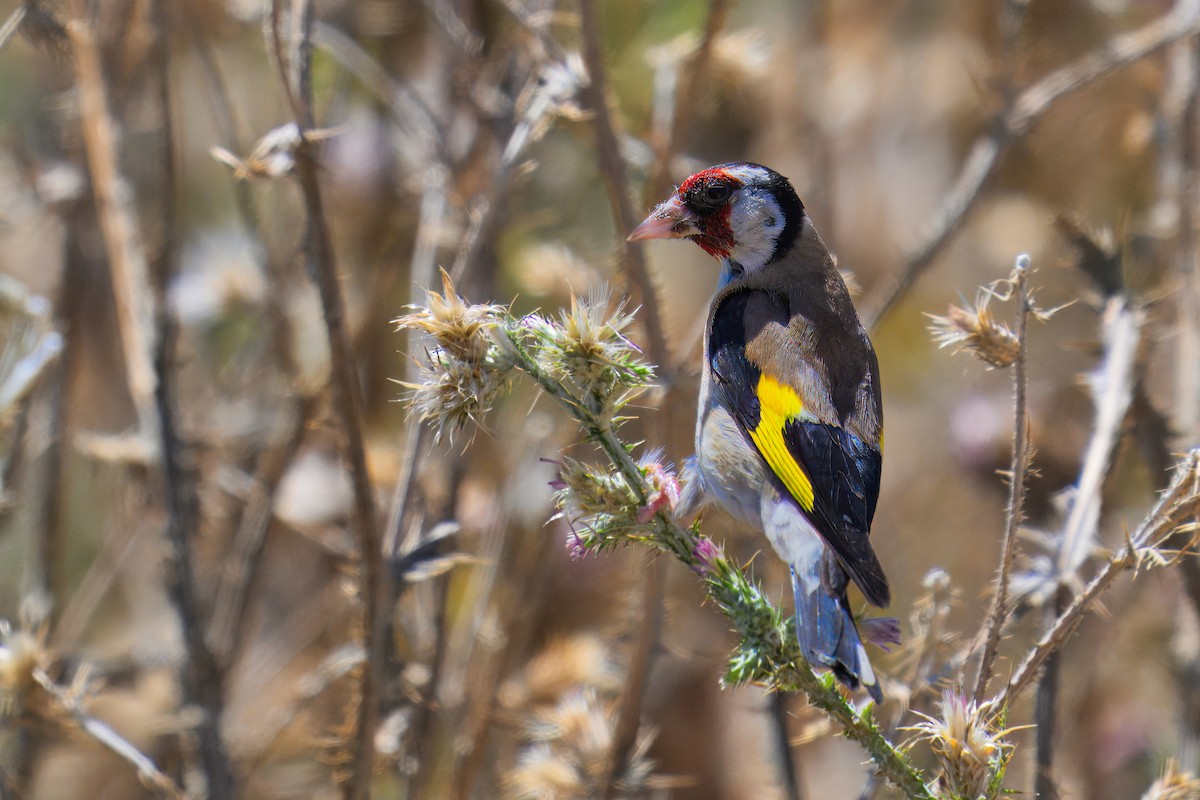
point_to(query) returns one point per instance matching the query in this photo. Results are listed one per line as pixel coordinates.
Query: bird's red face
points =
(701, 210)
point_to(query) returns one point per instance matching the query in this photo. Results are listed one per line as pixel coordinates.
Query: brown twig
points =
(629, 712)
(1113, 385)
(122, 237)
(788, 774)
(1018, 467)
(612, 167)
(347, 401)
(1016, 121)
(203, 681)
(695, 77)
(1187, 299)
(151, 776)
(1178, 504)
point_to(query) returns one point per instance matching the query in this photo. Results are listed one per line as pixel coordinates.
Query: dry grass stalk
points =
(122, 234)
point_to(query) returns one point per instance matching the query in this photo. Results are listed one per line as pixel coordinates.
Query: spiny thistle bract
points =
(586, 349)
(464, 372)
(971, 751)
(978, 331)
(476, 348)
(1174, 784)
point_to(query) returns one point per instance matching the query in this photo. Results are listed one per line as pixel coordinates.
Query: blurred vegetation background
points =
(203, 511)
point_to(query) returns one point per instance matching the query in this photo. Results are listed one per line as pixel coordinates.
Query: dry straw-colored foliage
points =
(233, 563)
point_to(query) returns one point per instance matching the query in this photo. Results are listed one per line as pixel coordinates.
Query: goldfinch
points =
(790, 427)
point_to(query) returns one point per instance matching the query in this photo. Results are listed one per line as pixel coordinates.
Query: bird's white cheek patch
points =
(757, 222)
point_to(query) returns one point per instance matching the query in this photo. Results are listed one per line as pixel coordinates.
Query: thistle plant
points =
(971, 749)
(583, 359)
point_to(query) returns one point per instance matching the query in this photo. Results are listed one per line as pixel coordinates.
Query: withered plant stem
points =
(1177, 505)
(203, 679)
(616, 179)
(1015, 122)
(1018, 466)
(347, 399)
(695, 76)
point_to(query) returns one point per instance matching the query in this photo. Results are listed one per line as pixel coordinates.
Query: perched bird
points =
(790, 426)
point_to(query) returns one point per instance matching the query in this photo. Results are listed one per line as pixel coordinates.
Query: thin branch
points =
(1016, 121)
(348, 404)
(1112, 385)
(122, 237)
(1178, 504)
(1045, 714)
(1187, 300)
(613, 169)
(151, 776)
(629, 711)
(1016, 486)
(695, 77)
(788, 774)
(203, 681)
(11, 24)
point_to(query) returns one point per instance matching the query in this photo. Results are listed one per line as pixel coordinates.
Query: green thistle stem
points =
(768, 653)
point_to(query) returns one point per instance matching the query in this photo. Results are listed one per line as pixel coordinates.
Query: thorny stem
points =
(1016, 489)
(612, 166)
(1016, 121)
(744, 604)
(1178, 503)
(695, 76)
(202, 678)
(347, 400)
(153, 778)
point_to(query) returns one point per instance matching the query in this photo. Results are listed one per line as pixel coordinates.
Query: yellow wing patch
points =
(779, 404)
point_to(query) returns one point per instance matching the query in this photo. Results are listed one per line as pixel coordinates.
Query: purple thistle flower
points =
(706, 553)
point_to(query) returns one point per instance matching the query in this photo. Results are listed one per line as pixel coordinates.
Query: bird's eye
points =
(717, 193)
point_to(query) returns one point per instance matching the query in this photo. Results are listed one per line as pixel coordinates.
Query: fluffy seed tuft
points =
(971, 752)
(976, 330)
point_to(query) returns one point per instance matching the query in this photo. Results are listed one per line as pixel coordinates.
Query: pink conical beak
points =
(670, 220)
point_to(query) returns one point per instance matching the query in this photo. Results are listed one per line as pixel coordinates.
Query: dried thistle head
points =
(464, 373)
(970, 750)
(568, 753)
(462, 329)
(274, 155)
(23, 654)
(1175, 784)
(583, 659)
(978, 331)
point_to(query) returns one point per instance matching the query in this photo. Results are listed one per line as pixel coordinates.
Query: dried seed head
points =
(23, 652)
(452, 393)
(971, 753)
(978, 331)
(1174, 784)
(568, 753)
(464, 373)
(274, 155)
(461, 329)
(571, 661)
